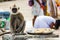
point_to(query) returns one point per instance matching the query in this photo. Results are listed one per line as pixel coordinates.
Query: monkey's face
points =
(14, 10)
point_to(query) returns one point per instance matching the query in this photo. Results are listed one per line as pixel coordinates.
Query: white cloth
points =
(54, 3)
(43, 22)
(48, 6)
(36, 9)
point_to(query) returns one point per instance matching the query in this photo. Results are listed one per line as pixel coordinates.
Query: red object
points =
(57, 4)
(42, 7)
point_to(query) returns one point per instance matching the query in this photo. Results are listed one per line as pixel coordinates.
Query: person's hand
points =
(42, 6)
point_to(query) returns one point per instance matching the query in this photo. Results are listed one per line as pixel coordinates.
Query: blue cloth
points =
(5, 14)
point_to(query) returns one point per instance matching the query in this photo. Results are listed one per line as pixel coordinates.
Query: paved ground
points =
(24, 9)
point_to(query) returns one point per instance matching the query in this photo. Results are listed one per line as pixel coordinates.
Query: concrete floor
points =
(24, 9)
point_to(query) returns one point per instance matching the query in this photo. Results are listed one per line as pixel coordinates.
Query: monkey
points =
(17, 20)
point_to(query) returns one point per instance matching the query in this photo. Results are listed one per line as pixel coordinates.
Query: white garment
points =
(49, 8)
(43, 22)
(54, 3)
(36, 9)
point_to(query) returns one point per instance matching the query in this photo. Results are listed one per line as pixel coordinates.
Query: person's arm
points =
(41, 5)
(36, 23)
(38, 2)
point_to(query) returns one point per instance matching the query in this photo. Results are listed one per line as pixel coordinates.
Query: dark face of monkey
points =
(14, 10)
